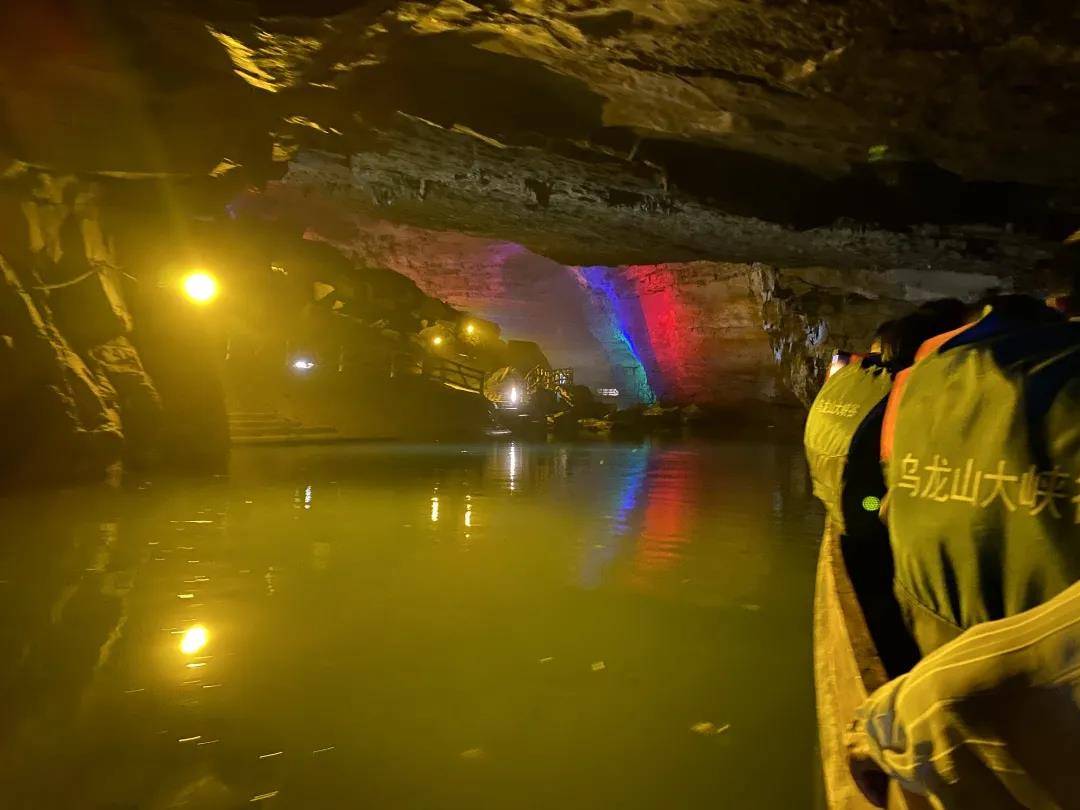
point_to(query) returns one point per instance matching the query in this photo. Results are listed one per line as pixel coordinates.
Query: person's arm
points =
(868, 740)
(958, 726)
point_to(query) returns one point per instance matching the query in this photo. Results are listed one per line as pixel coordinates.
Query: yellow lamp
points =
(470, 328)
(200, 287)
(437, 340)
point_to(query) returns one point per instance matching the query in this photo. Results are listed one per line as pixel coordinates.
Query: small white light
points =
(303, 364)
(515, 396)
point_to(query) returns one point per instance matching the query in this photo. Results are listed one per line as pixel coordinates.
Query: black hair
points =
(1060, 273)
(1023, 309)
(885, 328)
(905, 335)
(947, 310)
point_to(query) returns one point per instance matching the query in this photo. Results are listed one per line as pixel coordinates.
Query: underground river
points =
(485, 626)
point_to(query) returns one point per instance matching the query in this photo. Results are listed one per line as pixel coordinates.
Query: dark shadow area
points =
(446, 79)
(891, 194)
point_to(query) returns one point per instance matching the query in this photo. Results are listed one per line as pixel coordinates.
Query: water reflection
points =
(439, 600)
(511, 465)
(194, 639)
(607, 539)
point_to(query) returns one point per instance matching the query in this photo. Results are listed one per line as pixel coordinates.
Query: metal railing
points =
(557, 380)
(452, 373)
(549, 379)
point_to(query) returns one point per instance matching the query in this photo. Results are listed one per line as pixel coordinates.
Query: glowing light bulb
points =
(470, 328)
(200, 287)
(194, 640)
(437, 340)
(303, 364)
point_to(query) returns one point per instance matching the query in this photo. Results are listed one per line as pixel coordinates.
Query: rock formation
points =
(717, 191)
(76, 385)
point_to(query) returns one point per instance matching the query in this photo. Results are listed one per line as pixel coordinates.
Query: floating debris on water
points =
(267, 756)
(598, 666)
(473, 753)
(707, 729)
(547, 660)
(262, 796)
(322, 750)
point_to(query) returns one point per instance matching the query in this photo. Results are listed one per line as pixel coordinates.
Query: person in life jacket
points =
(982, 449)
(842, 438)
(845, 399)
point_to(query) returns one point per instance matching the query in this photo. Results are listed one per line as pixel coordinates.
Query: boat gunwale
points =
(847, 669)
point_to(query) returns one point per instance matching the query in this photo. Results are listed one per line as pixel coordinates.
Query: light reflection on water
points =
(507, 625)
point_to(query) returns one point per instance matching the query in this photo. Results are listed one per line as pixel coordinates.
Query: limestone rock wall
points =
(693, 328)
(684, 333)
(75, 386)
(706, 332)
(810, 312)
(529, 296)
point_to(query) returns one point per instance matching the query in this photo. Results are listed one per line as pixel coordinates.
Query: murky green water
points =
(496, 626)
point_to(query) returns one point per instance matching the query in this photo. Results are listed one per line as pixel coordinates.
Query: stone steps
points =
(246, 428)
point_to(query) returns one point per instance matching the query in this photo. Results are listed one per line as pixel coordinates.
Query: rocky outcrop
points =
(863, 134)
(679, 332)
(691, 333)
(602, 210)
(77, 385)
(55, 411)
(808, 313)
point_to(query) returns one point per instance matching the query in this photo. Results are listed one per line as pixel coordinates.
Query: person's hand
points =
(871, 780)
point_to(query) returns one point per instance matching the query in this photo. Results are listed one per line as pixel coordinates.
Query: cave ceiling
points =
(925, 134)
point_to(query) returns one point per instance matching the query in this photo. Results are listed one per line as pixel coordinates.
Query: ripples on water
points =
(499, 626)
